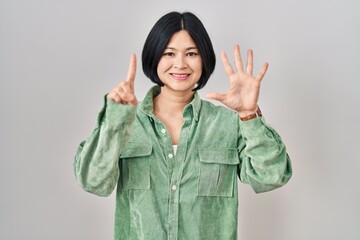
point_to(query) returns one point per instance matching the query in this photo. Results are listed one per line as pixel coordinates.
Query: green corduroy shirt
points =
(188, 195)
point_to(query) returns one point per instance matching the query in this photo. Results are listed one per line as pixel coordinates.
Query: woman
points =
(174, 157)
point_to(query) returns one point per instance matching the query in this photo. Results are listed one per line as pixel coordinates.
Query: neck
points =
(172, 102)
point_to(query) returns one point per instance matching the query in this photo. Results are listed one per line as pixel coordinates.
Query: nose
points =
(180, 63)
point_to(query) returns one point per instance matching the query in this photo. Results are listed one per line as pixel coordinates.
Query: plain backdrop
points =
(59, 58)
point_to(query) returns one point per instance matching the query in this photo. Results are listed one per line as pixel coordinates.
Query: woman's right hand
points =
(123, 93)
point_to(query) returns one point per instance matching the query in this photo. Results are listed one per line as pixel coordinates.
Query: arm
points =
(96, 160)
(264, 162)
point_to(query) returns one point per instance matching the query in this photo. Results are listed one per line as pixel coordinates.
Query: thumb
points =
(216, 96)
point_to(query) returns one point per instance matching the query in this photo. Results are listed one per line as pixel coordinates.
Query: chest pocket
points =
(217, 171)
(135, 166)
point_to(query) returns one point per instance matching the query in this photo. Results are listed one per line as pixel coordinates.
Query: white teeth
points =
(180, 75)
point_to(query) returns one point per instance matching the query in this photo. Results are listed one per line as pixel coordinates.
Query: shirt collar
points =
(147, 105)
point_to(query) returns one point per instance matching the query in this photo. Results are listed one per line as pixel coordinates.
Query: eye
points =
(192, 54)
(170, 54)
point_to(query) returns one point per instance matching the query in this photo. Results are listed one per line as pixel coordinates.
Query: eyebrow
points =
(189, 48)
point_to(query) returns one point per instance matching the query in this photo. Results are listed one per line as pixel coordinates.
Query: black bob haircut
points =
(159, 37)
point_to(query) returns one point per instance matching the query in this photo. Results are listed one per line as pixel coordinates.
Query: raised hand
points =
(123, 93)
(243, 93)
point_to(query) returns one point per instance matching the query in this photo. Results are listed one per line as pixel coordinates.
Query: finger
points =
(132, 70)
(125, 95)
(125, 86)
(132, 100)
(249, 64)
(228, 68)
(110, 95)
(117, 99)
(114, 96)
(238, 61)
(216, 96)
(118, 91)
(262, 72)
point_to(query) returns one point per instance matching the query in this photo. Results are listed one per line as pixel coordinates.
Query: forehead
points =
(181, 40)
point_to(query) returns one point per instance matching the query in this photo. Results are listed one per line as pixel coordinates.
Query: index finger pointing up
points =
(132, 69)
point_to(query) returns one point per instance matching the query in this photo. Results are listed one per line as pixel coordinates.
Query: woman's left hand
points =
(243, 93)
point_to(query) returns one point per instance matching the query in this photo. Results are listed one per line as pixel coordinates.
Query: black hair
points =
(160, 35)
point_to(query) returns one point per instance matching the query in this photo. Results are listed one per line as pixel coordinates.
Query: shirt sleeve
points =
(96, 160)
(264, 162)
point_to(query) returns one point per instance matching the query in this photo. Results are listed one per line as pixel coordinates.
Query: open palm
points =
(243, 93)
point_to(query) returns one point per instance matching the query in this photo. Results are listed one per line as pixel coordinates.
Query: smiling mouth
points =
(180, 76)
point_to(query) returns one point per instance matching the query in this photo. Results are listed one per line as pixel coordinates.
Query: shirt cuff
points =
(254, 128)
(115, 114)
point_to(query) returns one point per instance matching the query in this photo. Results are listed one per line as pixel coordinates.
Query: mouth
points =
(178, 76)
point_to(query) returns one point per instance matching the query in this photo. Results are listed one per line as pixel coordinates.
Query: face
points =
(180, 67)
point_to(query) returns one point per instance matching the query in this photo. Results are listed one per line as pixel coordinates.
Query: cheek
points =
(199, 66)
(162, 67)
(159, 70)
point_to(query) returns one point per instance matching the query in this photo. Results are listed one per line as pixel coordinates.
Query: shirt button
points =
(173, 187)
(163, 130)
(170, 155)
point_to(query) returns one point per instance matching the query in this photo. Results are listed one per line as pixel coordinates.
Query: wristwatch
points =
(252, 115)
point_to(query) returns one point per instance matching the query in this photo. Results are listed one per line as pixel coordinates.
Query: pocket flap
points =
(219, 155)
(136, 149)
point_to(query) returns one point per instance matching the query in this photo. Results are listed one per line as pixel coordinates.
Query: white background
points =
(59, 58)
